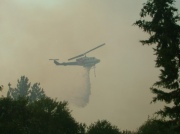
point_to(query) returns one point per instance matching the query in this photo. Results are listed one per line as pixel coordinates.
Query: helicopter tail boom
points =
(64, 63)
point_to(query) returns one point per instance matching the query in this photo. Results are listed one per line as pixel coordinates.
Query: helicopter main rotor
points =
(86, 52)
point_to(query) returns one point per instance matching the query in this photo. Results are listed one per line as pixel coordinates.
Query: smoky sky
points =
(31, 32)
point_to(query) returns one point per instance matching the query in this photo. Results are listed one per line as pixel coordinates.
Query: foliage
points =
(160, 20)
(156, 126)
(82, 128)
(14, 116)
(102, 127)
(24, 89)
(36, 92)
(127, 132)
(45, 116)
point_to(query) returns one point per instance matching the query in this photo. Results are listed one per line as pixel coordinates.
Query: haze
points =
(31, 32)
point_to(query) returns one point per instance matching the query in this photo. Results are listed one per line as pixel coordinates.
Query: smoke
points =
(81, 98)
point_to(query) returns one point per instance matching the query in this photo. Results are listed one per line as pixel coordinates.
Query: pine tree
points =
(12, 93)
(24, 89)
(36, 92)
(23, 86)
(159, 18)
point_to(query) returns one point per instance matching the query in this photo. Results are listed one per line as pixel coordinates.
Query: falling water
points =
(82, 98)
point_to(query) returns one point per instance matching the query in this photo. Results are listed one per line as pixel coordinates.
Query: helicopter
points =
(81, 60)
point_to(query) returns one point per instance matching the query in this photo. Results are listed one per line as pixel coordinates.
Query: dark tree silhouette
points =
(45, 116)
(159, 18)
(102, 127)
(156, 126)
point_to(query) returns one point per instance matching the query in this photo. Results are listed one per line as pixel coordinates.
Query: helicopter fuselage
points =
(84, 61)
(81, 60)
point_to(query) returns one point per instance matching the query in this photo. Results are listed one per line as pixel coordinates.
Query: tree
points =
(45, 116)
(14, 116)
(36, 92)
(127, 132)
(102, 127)
(160, 20)
(24, 89)
(54, 117)
(156, 126)
(82, 128)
